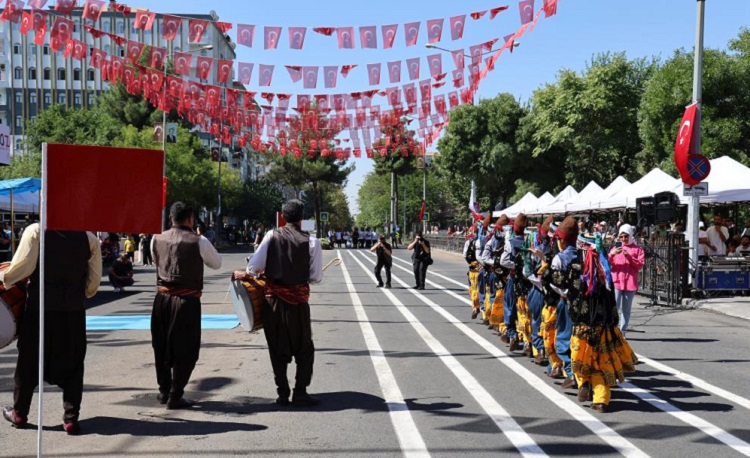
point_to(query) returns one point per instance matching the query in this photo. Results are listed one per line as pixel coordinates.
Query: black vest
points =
(66, 266)
(288, 261)
(178, 259)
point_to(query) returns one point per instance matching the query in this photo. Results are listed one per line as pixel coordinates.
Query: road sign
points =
(426, 216)
(428, 160)
(323, 217)
(698, 168)
(701, 189)
(420, 162)
(4, 144)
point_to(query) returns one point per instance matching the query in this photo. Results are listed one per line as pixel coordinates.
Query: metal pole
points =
(403, 227)
(694, 203)
(424, 184)
(393, 202)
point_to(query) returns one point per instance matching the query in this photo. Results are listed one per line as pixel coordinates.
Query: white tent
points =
(557, 205)
(516, 208)
(653, 182)
(589, 193)
(593, 200)
(729, 181)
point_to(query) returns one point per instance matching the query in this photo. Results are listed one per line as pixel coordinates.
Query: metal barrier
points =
(453, 244)
(664, 278)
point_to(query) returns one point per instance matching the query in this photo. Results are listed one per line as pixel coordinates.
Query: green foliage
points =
(60, 125)
(125, 108)
(259, 202)
(335, 202)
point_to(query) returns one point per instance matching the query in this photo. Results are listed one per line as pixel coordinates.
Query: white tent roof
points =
(558, 205)
(729, 181)
(653, 182)
(516, 208)
(593, 200)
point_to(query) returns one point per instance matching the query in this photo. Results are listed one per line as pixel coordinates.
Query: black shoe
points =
(181, 403)
(304, 400)
(421, 288)
(162, 398)
(282, 401)
(379, 285)
(387, 286)
(416, 287)
(10, 414)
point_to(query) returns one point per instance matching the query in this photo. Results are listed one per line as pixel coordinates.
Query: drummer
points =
(291, 260)
(73, 270)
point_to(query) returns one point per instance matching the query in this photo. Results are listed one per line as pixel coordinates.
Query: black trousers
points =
(147, 258)
(420, 272)
(176, 339)
(378, 269)
(117, 283)
(64, 354)
(289, 335)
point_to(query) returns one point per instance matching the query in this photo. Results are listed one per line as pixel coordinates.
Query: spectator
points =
(130, 247)
(702, 241)
(744, 248)
(627, 259)
(121, 272)
(4, 244)
(717, 235)
(421, 259)
(147, 259)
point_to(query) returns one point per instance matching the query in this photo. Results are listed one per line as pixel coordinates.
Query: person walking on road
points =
(420, 259)
(290, 259)
(627, 259)
(385, 259)
(180, 255)
(73, 271)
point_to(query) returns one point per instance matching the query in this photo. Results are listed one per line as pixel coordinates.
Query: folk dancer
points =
(535, 298)
(490, 258)
(73, 270)
(482, 285)
(291, 260)
(180, 255)
(513, 246)
(470, 256)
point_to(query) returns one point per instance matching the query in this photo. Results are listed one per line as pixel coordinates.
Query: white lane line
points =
(584, 416)
(463, 285)
(695, 381)
(692, 420)
(512, 430)
(411, 441)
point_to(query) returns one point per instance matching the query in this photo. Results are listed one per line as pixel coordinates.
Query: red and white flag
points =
(434, 30)
(265, 74)
(224, 71)
(158, 55)
(310, 77)
(92, 10)
(684, 144)
(245, 72)
(435, 62)
(422, 211)
(65, 6)
(76, 49)
(550, 8)
(413, 66)
(478, 14)
(345, 37)
(97, 59)
(373, 73)
(203, 67)
(271, 37)
(389, 35)
(526, 8)
(394, 72)
(182, 63)
(346, 69)
(297, 37)
(330, 76)
(458, 58)
(411, 30)
(27, 22)
(457, 27)
(196, 29)
(135, 49)
(368, 37)
(170, 26)
(295, 73)
(495, 11)
(245, 34)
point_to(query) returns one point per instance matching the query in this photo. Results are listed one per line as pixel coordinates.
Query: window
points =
(47, 98)
(45, 50)
(19, 97)
(121, 52)
(92, 99)
(32, 49)
(61, 98)
(47, 74)
(106, 26)
(107, 49)
(120, 27)
(32, 73)
(61, 74)
(16, 48)
(76, 25)
(18, 73)
(32, 97)
(90, 74)
(76, 74)
(77, 99)
(19, 121)
(19, 145)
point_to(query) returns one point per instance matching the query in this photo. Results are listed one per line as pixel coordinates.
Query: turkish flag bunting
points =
(95, 33)
(495, 11)
(92, 10)
(61, 29)
(346, 69)
(394, 96)
(489, 44)
(321, 101)
(413, 66)
(458, 78)
(394, 72)
(265, 74)
(453, 99)
(410, 93)
(223, 26)
(327, 31)
(550, 8)
(303, 102)
(40, 27)
(182, 63)
(144, 20)
(478, 14)
(526, 8)
(271, 37)
(75, 48)
(434, 30)
(37, 4)
(331, 75)
(310, 77)
(158, 55)
(425, 89)
(196, 29)
(345, 37)
(684, 144)
(389, 35)
(435, 62)
(245, 34)
(439, 101)
(411, 30)
(225, 70)
(203, 67)
(295, 72)
(134, 51)
(476, 54)
(97, 59)
(368, 37)
(156, 79)
(509, 42)
(65, 6)
(373, 72)
(457, 27)
(245, 72)
(170, 25)
(297, 37)
(27, 22)
(458, 58)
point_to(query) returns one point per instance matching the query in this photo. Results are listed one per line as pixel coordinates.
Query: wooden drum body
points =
(248, 299)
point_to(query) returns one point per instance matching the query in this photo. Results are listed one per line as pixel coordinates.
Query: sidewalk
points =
(738, 307)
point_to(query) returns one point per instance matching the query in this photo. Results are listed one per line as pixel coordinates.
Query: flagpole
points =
(42, 239)
(424, 183)
(694, 202)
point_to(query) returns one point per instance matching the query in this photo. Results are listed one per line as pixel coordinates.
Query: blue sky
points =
(581, 29)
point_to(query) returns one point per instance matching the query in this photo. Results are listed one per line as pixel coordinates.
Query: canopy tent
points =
(591, 203)
(586, 195)
(729, 181)
(653, 182)
(567, 194)
(516, 208)
(25, 194)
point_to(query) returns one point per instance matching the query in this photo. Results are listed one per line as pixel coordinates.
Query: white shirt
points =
(715, 239)
(701, 247)
(258, 260)
(210, 256)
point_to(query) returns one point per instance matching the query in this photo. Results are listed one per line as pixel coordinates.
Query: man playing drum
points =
(73, 270)
(291, 260)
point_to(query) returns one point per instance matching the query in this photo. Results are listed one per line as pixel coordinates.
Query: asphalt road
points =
(399, 372)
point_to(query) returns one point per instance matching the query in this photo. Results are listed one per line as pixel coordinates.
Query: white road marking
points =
(584, 416)
(512, 430)
(411, 441)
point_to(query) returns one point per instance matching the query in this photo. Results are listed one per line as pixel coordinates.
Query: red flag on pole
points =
(421, 211)
(684, 143)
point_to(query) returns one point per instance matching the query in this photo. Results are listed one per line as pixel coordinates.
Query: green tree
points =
(259, 202)
(57, 124)
(335, 202)
(127, 109)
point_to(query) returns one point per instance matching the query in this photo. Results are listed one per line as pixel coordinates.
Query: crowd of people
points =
(364, 237)
(553, 292)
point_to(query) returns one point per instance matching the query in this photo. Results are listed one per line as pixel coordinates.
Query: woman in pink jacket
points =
(627, 259)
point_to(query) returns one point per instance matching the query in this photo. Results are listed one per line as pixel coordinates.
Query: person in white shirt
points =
(702, 240)
(717, 235)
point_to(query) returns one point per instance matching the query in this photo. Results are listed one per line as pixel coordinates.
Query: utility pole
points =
(694, 203)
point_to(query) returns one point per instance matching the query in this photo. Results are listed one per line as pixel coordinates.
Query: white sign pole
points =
(42, 237)
(694, 203)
